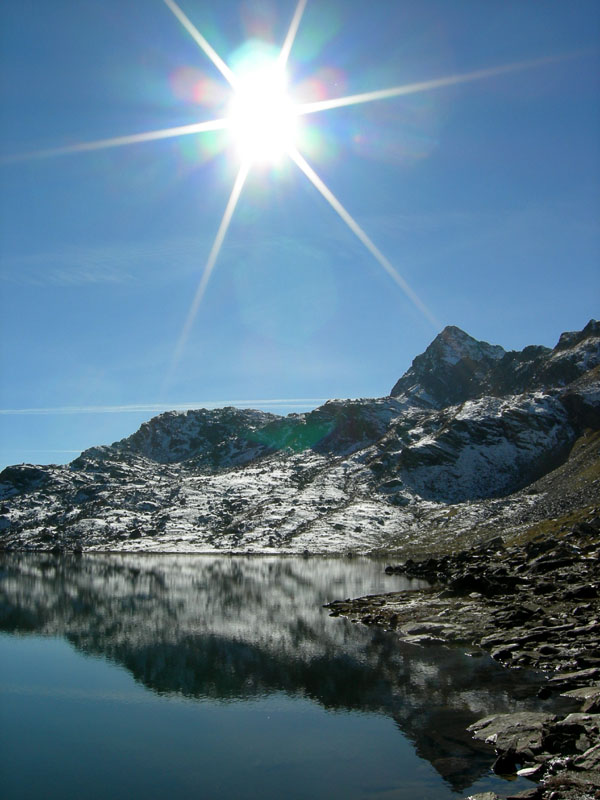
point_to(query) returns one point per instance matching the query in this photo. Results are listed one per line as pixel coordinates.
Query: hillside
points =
(472, 439)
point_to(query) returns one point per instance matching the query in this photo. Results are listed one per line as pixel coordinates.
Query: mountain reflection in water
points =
(233, 628)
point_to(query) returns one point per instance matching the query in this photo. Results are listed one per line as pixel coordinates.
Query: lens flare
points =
(263, 122)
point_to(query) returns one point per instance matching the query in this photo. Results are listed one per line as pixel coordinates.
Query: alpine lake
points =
(153, 676)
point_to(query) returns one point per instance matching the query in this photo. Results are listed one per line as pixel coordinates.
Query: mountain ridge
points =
(466, 427)
(456, 367)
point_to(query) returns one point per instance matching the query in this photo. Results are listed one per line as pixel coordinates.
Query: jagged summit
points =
(470, 424)
(456, 367)
(453, 344)
(569, 339)
(449, 371)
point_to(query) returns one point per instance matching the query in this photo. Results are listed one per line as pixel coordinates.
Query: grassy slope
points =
(571, 493)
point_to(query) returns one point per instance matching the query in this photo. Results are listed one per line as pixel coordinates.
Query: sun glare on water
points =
(262, 116)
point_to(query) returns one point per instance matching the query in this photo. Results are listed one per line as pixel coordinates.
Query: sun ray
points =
(298, 110)
(210, 264)
(424, 86)
(291, 34)
(362, 236)
(120, 141)
(225, 71)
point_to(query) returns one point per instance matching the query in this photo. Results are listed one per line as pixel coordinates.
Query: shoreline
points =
(536, 607)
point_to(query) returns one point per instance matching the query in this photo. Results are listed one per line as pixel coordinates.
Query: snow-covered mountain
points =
(465, 428)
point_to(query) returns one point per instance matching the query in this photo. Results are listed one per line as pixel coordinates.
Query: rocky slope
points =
(535, 606)
(455, 367)
(467, 443)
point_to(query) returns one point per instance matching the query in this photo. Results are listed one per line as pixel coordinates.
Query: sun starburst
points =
(263, 122)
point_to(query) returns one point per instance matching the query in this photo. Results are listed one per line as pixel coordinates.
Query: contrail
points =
(152, 407)
(362, 236)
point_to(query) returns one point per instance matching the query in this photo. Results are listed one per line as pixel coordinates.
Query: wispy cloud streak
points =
(37, 450)
(113, 263)
(136, 408)
(202, 42)
(362, 236)
(120, 141)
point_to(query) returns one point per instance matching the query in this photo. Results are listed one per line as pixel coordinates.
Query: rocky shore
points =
(533, 606)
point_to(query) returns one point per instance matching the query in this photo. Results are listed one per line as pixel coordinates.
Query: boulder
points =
(521, 731)
(588, 761)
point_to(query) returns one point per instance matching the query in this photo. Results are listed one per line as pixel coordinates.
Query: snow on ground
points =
(353, 475)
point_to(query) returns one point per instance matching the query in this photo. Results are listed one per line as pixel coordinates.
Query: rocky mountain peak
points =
(570, 339)
(456, 367)
(470, 423)
(449, 371)
(453, 344)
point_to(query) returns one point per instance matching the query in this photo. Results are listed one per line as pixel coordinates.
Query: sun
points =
(263, 123)
(262, 118)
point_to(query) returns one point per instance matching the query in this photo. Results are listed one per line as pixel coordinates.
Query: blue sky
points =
(484, 195)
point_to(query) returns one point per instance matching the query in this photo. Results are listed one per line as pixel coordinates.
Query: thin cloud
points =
(309, 402)
(128, 262)
(37, 450)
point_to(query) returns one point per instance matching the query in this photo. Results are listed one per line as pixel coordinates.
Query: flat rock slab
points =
(589, 696)
(521, 731)
(588, 721)
(580, 678)
(583, 693)
(590, 760)
(483, 796)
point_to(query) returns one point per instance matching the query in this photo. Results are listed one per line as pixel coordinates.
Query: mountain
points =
(452, 369)
(455, 367)
(468, 441)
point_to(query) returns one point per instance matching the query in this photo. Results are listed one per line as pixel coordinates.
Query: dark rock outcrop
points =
(456, 367)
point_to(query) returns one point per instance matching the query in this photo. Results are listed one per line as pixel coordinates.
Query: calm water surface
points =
(223, 677)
